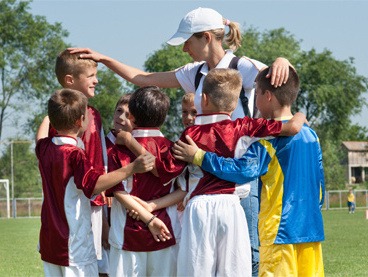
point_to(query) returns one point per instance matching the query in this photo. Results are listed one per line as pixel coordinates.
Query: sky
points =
(130, 31)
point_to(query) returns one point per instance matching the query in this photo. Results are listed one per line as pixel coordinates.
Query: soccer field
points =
(345, 249)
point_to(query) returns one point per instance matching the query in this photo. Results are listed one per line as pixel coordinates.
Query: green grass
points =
(345, 249)
(18, 247)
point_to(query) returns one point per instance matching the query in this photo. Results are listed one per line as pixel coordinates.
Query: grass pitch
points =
(345, 250)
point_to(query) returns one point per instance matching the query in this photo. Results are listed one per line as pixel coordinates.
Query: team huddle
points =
(239, 194)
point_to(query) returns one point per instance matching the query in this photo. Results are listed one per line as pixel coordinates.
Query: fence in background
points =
(334, 199)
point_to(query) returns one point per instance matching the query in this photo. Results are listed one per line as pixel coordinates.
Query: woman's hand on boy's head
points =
(184, 151)
(279, 72)
(86, 53)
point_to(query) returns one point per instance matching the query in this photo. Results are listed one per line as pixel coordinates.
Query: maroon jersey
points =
(94, 144)
(219, 134)
(146, 186)
(68, 181)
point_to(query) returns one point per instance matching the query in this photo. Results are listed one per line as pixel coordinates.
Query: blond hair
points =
(222, 86)
(233, 37)
(71, 64)
(188, 98)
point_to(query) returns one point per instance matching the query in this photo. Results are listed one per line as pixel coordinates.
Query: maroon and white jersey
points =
(94, 145)
(219, 134)
(127, 233)
(68, 181)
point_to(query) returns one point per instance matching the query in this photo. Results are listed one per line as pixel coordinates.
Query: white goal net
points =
(4, 198)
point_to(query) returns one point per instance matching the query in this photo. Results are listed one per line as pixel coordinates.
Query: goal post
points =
(5, 183)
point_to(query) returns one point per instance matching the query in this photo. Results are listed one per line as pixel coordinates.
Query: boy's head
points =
(121, 114)
(220, 90)
(67, 110)
(284, 95)
(75, 73)
(188, 110)
(148, 107)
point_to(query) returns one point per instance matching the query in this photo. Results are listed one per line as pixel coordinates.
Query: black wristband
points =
(149, 221)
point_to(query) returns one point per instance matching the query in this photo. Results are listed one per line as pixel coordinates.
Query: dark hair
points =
(287, 93)
(65, 107)
(123, 100)
(149, 106)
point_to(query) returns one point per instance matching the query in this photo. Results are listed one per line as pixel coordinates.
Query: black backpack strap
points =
(243, 99)
(234, 65)
(198, 76)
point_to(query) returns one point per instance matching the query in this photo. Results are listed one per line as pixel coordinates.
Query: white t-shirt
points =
(247, 67)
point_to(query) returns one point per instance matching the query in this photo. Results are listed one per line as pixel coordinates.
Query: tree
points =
(28, 48)
(166, 59)
(331, 90)
(27, 180)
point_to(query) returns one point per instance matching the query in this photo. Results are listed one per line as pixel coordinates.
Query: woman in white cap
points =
(202, 31)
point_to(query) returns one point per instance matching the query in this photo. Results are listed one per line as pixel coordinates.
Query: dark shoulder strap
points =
(234, 63)
(244, 100)
(198, 76)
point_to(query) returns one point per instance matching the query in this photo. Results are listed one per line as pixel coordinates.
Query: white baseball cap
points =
(198, 20)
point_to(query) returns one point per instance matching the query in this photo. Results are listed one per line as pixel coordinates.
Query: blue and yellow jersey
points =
(291, 188)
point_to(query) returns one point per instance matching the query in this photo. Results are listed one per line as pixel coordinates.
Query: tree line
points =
(331, 90)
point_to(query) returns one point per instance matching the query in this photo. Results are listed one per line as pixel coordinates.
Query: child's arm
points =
(159, 230)
(294, 125)
(170, 199)
(126, 138)
(141, 164)
(238, 170)
(43, 130)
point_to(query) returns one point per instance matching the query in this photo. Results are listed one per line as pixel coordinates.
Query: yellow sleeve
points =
(198, 157)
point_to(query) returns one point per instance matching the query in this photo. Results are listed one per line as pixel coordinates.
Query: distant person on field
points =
(351, 201)
(69, 182)
(291, 182)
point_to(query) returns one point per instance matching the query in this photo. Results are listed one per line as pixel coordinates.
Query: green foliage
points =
(166, 59)
(108, 91)
(28, 48)
(27, 181)
(332, 163)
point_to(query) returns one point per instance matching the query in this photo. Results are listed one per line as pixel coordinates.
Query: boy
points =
(188, 110)
(291, 178)
(81, 74)
(120, 122)
(68, 181)
(133, 250)
(215, 237)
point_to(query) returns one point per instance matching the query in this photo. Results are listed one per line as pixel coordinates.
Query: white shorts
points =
(153, 263)
(96, 219)
(54, 270)
(214, 239)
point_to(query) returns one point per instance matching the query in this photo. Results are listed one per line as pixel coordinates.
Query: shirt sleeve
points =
(259, 127)
(242, 170)
(186, 76)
